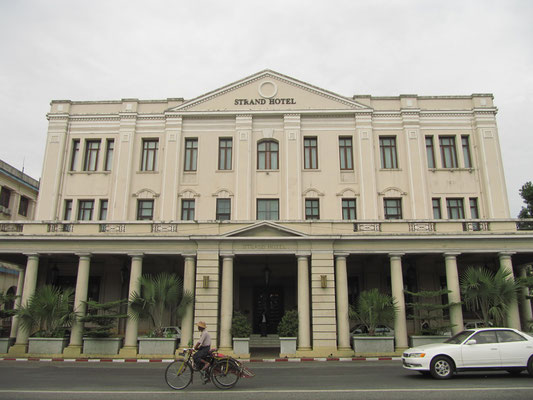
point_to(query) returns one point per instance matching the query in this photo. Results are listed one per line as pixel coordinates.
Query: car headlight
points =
(416, 355)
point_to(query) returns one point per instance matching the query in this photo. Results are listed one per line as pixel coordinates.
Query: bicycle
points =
(223, 371)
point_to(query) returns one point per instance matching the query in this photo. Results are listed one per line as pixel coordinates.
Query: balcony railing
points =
(10, 227)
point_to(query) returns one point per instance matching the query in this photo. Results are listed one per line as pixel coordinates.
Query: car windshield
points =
(459, 338)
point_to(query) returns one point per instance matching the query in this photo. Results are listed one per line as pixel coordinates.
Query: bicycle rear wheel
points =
(178, 375)
(225, 374)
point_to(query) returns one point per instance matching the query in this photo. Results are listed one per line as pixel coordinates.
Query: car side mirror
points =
(471, 341)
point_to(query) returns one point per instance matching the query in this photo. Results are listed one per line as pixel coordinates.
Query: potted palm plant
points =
(98, 338)
(488, 294)
(160, 295)
(5, 312)
(241, 330)
(372, 310)
(288, 333)
(47, 316)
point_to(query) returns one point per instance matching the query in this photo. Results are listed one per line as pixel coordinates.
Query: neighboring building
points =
(270, 194)
(18, 194)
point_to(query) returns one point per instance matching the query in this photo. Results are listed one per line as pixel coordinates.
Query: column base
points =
(128, 351)
(18, 350)
(72, 351)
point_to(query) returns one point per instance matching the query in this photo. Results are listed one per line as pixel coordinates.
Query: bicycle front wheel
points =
(225, 374)
(178, 375)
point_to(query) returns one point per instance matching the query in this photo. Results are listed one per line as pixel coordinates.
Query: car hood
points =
(426, 347)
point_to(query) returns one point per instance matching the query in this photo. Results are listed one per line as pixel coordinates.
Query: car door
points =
(484, 353)
(515, 349)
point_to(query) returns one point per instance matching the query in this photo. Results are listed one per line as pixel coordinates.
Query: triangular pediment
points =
(268, 91)
(264, 229)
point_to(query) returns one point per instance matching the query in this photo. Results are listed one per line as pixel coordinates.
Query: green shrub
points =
(240, 326)
(288, 326)
(374, 308)
(104, 316)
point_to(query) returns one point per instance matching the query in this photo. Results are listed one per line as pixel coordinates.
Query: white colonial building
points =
(266, 195)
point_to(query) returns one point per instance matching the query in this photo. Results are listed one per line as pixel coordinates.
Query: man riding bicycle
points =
(202, 348)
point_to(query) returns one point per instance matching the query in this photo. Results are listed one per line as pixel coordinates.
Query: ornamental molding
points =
(347, 192)
(392, 191)
(223, 193)
(146, 194)
(312, 192)
(188, 194)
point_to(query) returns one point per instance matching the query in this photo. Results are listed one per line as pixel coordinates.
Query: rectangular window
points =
(393, 208)
(225, 147)
(149, 156)
(187, 209)
(75, 154)
(67, 212)
(436, 208)
(23, 206)
(447, 151)
(223, 209)
(191, 154)
(349, 209)
(110, 147)
(474, 211)
(345, 153)
(312, 209)
(466, 151)
(145, 210)
(85, 210)
(387, 146)
(267, 154)
(267, 209)
(102, 215)
(92, 148)
(430, 152)
(310, 153)
(455, 208)
(5, 195)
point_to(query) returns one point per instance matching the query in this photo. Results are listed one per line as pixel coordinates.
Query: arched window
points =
(267, 154)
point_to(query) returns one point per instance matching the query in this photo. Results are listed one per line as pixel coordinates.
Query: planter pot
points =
(241, 346)
(157, 345)
(101, 345)
(287, 346)
(46, 345)
(415, 341)
(373, 344)
(5, 343)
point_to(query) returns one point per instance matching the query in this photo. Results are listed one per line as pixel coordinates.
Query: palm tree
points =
(159, 293)
(49, 311)
(374, 308)
(488, 293)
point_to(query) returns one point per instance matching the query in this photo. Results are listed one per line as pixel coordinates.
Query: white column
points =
(80, 297)
(452, 282)
(400, 322)
(226, 304)
(513, 314)
(132, 325)
(341, 285)
(304, 319)
(18, 299)
(30, 282)
(189, 277)
(527, 314)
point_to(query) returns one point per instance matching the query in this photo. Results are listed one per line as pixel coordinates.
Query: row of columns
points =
(29, 279)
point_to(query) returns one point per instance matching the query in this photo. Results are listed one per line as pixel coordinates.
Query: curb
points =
(169, 360)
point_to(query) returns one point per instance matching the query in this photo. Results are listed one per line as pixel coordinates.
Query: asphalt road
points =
(385, 380)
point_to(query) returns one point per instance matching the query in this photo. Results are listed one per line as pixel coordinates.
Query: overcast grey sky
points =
(108, 50)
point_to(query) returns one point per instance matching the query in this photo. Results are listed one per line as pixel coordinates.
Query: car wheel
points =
(530, 366)
(441, 367)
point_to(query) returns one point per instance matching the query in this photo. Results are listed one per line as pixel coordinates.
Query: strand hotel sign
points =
(267, 90)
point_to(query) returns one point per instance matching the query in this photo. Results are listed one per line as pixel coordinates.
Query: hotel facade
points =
(266, 195)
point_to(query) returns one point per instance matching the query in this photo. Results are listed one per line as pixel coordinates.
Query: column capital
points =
(136, 255)
(81, 255)
(303, 254)
(451, 254)
(506, 254)
(189, 255)
(341, 254)
(32, 255)
(396, 255)
(227, 254)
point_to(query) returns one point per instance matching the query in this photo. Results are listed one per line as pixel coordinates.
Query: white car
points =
(476, 349)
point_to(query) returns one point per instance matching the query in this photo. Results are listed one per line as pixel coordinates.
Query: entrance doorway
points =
(268, 309)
